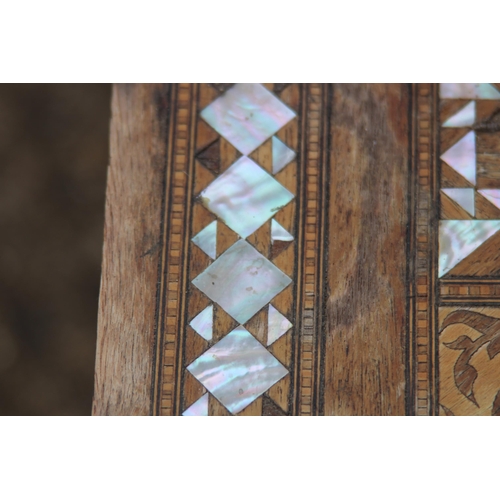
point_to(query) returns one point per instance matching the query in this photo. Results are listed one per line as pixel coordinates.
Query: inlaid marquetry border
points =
(475, 291)
(422, 387)
(307, 347)
(188, 297)
(310, 287)
(427, 293)
(173, 269)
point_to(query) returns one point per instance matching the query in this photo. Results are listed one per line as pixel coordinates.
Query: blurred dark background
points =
(53, 158)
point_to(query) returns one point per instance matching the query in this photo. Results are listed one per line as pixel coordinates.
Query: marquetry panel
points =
(208, 167)
(469, 256)
(313, 208)
(469, 364)
(171, 306)
(460, 251)
(481, 290)
(302, 249)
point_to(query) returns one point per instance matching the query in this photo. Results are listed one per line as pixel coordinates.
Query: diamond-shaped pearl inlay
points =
(242, 281)
(245, 196)
(237, 370)
(246, 115)
(468, 91)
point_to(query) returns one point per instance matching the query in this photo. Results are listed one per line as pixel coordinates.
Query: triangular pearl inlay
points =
(203, 323)
(492, 195)
(199, 408)
(459, 238)
(279, 233)
(463, 196)
(282, 155)
(206, 239)
(468, 91)
(278, 325)
(462, 157)
(463, 118)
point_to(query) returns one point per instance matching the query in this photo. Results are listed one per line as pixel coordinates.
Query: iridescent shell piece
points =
(247, 115)
(492, 195)
(277, 325)
(245, 196)
(279, 233)
(463, 196)
(242, 281)
(206, 239)
(468, 91)
(463, 118)
(203, 323)
(282, 155)
(462, 157)
(198, 408)
(237, 370)
(459, 238)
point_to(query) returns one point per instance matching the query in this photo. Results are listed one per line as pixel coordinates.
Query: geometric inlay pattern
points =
(282, 155)
(278, 325)
(203, 323)
(463, 118)
(206, 239)
(242, 281)
(468, 91)
(492, 195)
(279, 233)
(468, 328)
(459, 238)
(198, 408)
(462, 157)
(237, 370)
(247, 115)
(463, 196)
(245, 196)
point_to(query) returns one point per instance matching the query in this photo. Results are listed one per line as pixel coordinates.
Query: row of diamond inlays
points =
(459, 238)
(238, 368)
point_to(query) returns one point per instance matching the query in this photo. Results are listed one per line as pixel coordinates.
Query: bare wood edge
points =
(127, 320)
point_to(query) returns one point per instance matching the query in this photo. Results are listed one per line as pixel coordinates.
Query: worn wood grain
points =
(366, 262)
(133, 215)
